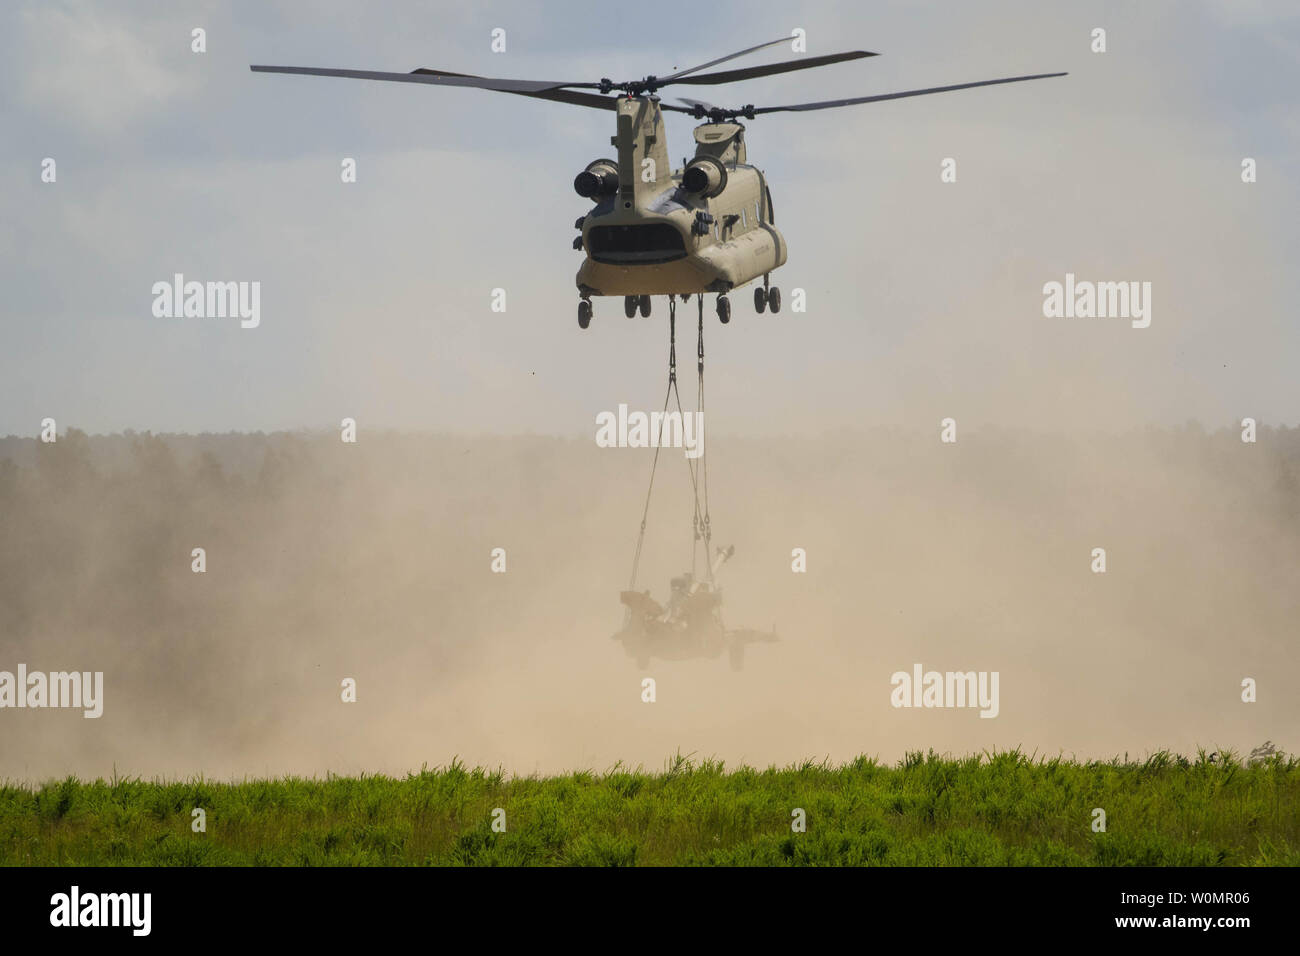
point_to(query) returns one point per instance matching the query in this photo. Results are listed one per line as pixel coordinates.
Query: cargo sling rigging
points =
(698, 467)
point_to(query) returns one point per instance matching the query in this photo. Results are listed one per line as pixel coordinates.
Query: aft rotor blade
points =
(436, 79)
(724, 59)
(830, 104)
(560, 96)
(785, 66)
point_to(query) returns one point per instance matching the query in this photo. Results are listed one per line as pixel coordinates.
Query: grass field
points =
(994, 809)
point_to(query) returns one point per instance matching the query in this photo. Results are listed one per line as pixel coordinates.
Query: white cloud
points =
(91, 70)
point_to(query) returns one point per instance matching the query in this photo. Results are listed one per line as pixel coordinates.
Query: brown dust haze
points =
(372, 561)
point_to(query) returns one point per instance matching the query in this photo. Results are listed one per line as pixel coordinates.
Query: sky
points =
(924, 298)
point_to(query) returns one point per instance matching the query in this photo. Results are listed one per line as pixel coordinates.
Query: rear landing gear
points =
(584, 313)
(724, 309)
(767, 298)
(645, 306)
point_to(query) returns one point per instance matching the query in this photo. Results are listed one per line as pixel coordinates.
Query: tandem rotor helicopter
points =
(707, 227)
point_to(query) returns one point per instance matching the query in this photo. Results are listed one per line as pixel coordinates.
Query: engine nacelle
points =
(598, 180)
(705, 176)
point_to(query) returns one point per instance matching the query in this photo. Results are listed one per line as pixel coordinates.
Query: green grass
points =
(994, 809)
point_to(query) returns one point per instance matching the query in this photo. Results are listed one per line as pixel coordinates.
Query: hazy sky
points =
(924, 298)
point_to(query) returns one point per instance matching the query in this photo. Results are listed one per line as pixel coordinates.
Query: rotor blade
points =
(559, 96)
(729, 56)
(693, 103)
(785, 66)
(696, 108)
(829, 104)
(478, 82)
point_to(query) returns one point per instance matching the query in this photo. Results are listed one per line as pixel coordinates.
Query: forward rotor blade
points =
(560, 96)
(729, 56)
(436, 79)
(785, 66)
(830, 104)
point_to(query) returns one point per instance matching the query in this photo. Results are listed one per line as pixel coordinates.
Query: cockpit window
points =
(644, 243)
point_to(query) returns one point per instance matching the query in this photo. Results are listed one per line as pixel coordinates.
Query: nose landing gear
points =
(584, 313)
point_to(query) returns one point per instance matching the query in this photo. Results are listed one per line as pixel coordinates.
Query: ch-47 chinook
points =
(707, 227)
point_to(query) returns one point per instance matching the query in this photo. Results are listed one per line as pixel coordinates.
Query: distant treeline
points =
(264, 460)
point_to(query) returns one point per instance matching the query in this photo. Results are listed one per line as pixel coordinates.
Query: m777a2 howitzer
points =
(689, 626)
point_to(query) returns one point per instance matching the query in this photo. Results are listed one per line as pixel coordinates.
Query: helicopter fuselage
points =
(706, 227)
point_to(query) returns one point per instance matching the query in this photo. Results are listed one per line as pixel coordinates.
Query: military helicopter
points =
(706, 227)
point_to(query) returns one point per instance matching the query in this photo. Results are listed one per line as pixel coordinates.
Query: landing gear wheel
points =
(724, 309)
(774, 299)
(584, 313)
(760, 300)
(645, 306)
(629, 305)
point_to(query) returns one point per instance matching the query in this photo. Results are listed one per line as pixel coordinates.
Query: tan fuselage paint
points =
(740, 245)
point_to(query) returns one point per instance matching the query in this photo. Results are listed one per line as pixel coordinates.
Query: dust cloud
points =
(372, 561)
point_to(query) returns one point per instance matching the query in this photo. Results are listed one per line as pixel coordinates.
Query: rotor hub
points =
(717, 114)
